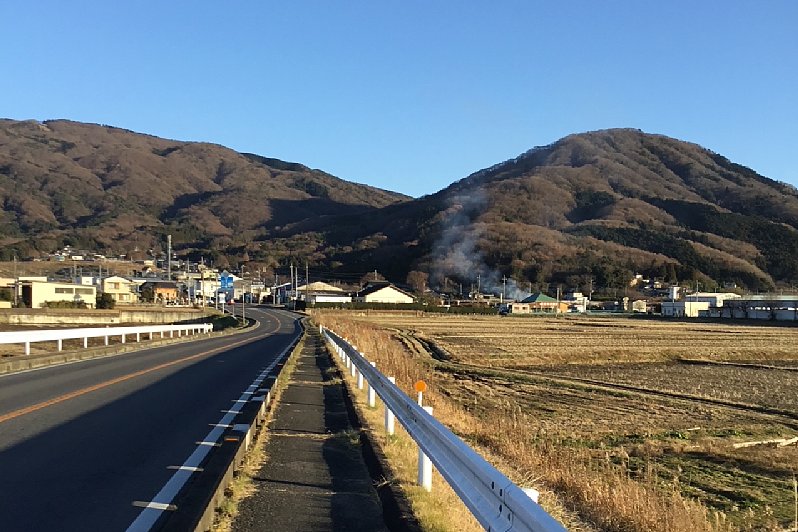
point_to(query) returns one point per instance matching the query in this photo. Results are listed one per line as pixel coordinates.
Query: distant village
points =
(162, 282)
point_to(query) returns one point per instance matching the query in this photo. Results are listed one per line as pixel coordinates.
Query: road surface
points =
(81, 443)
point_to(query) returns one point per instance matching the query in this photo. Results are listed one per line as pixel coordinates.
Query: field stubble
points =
(575, 403)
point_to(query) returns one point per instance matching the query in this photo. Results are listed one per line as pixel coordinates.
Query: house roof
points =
(372, 288)
(319, 286)
(161, 284)
(539, 297)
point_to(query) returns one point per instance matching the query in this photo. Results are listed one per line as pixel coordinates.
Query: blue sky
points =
(412, 95)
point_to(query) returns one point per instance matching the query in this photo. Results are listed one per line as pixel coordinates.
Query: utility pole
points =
(307, 285)
(16, 283)
(504, 288)
(168, 257)
(375, 275)
(479, 283)
(557, 310)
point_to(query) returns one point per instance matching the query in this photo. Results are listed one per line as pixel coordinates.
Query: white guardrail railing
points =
(59, 335)
(496, 502)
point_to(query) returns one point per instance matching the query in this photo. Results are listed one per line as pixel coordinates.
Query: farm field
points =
(661, 407)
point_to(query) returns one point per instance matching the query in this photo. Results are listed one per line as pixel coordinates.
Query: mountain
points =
(590, 208)
(116, 191)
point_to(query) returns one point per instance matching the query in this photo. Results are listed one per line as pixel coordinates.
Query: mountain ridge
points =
(597, 206)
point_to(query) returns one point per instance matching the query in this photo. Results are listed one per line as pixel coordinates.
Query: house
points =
(124, 291)
(537, 302)
(160, 291)
(36, 294)
(576, 301)
(318, 286)
(383, 292)
(326, 296)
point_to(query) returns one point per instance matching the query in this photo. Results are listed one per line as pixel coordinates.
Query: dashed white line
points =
(152, 511)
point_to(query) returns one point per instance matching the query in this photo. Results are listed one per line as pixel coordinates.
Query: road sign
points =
(226, 280)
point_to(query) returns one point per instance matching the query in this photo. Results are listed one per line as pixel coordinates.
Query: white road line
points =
(150, 514)
(186, 468)
(155, 505)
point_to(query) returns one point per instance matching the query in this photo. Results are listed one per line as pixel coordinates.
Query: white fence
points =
(497, 503)
(59, 335)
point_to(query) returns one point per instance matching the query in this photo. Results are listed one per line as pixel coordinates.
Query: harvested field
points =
(646, 410)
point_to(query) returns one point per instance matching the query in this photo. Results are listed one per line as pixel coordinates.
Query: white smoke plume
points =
(456, 255)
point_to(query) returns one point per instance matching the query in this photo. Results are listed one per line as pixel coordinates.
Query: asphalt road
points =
(79, 443)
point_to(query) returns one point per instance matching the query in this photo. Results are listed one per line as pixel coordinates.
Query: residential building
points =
(383, 293)
(537, 302)
(160, 291)
(326, 296)
(576, 301)
(124, 291)
(36, 294)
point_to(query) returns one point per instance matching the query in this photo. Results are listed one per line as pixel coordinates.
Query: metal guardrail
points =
(496, 502)
(58, 335)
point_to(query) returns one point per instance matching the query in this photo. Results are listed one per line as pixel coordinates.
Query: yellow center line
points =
(123, 378)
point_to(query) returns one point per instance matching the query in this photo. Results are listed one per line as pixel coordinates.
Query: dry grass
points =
(557, 400)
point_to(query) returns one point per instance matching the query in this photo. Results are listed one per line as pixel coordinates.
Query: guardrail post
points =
(171, 333)
(123, 338)
(161, 334)
(106, 340)
(389, 417)
(27, 348)
(372, 395)
(359, 380)
(352, 368)
(138, 337)
(150, 335)
(60, 344)
(425, 464)
(85, 342)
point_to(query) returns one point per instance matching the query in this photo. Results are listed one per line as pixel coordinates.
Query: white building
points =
(694, 304)
(37, 294)
(383, 293)
(762, 307)
(715, 299)
(683, 309)
(576, 301)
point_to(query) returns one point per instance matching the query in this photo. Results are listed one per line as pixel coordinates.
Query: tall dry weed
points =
(600, 492)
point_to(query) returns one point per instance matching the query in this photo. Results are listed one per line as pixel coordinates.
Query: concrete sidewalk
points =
(315, 477)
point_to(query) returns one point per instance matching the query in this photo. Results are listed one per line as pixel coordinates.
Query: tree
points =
(370, 277)
(106, 301)
(418, 280)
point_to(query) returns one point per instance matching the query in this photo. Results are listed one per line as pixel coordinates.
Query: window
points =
(84, 291)
(114, 286)
(64, 290)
